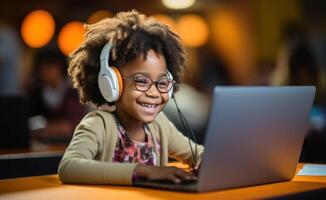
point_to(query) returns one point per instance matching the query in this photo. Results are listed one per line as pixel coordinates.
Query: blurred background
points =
(228, 42)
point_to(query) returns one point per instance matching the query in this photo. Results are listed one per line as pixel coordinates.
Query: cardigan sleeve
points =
(178, 144)
(78, 164)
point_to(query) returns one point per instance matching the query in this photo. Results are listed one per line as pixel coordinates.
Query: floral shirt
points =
(130, 151)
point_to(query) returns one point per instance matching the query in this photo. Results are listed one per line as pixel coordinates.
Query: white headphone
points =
(170, 77)
(109, 78)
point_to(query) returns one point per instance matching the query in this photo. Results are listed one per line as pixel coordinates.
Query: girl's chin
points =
(148, 119)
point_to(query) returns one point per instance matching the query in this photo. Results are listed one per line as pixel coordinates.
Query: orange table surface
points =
(49, 187)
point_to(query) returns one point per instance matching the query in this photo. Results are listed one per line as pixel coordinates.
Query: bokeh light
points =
(227, 31)
(193, 30)
(37, 28)
(71, 36)
(167, 21)
(98, 15)
(178, 4)
(234, 39)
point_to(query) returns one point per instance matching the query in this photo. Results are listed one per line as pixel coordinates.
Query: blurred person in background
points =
(10, 61)
(54, 107)
(13, 116)
(196, 94)
(195, 106)
(296, 64)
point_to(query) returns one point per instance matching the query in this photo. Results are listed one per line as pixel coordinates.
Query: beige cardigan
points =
(88, 158)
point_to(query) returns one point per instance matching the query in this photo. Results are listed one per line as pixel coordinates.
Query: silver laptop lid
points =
(254, 135)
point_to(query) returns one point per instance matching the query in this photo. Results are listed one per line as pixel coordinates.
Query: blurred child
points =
(53, 105)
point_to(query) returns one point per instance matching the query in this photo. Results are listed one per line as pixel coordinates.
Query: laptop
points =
(254, 136)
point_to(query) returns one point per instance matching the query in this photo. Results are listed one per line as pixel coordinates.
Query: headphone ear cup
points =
(170, 77)
(108, 84)
(109, 78)
(120, 81)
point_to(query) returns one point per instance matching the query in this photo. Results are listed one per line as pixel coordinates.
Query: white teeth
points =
(148, 105)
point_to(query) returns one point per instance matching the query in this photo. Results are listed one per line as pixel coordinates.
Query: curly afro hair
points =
(132, 34)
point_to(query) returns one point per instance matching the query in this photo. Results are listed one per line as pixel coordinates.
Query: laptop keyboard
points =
(183, 182)
(184, 185)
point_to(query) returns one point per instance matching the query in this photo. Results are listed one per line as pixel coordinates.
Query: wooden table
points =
(49, 187)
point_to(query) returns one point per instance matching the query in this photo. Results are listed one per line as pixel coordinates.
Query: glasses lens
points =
(142, 83)
(164, 85)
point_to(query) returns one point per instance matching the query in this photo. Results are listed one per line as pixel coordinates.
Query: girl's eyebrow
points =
(139, 73)
(147, 74)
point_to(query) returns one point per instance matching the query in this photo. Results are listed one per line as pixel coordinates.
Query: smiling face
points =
(136, 107)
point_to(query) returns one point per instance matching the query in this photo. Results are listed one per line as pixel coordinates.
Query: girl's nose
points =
(153, 91)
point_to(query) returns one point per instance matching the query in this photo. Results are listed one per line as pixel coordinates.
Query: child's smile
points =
(149, 108)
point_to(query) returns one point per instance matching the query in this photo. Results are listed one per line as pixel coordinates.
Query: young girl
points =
(128, 137)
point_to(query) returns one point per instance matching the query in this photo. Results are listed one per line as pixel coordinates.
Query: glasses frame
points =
(134, 78)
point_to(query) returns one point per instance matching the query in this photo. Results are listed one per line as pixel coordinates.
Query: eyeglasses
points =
(144, 83)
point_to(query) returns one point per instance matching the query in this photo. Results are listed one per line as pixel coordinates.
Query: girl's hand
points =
(173, 174)
(195, 170)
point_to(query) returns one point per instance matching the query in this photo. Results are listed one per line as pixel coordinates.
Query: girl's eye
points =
(163, 82)
(141, 80)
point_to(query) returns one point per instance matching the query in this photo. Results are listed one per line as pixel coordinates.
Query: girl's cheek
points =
(166, 99)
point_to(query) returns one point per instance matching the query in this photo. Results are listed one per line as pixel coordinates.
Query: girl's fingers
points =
(180, 173)
(174, 178)
(184, 175)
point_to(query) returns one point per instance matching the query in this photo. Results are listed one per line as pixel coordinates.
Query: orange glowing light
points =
(98, 15)
(37, 28)
(228, 31)
(71, 36)
(193, 30)
(167, 21)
